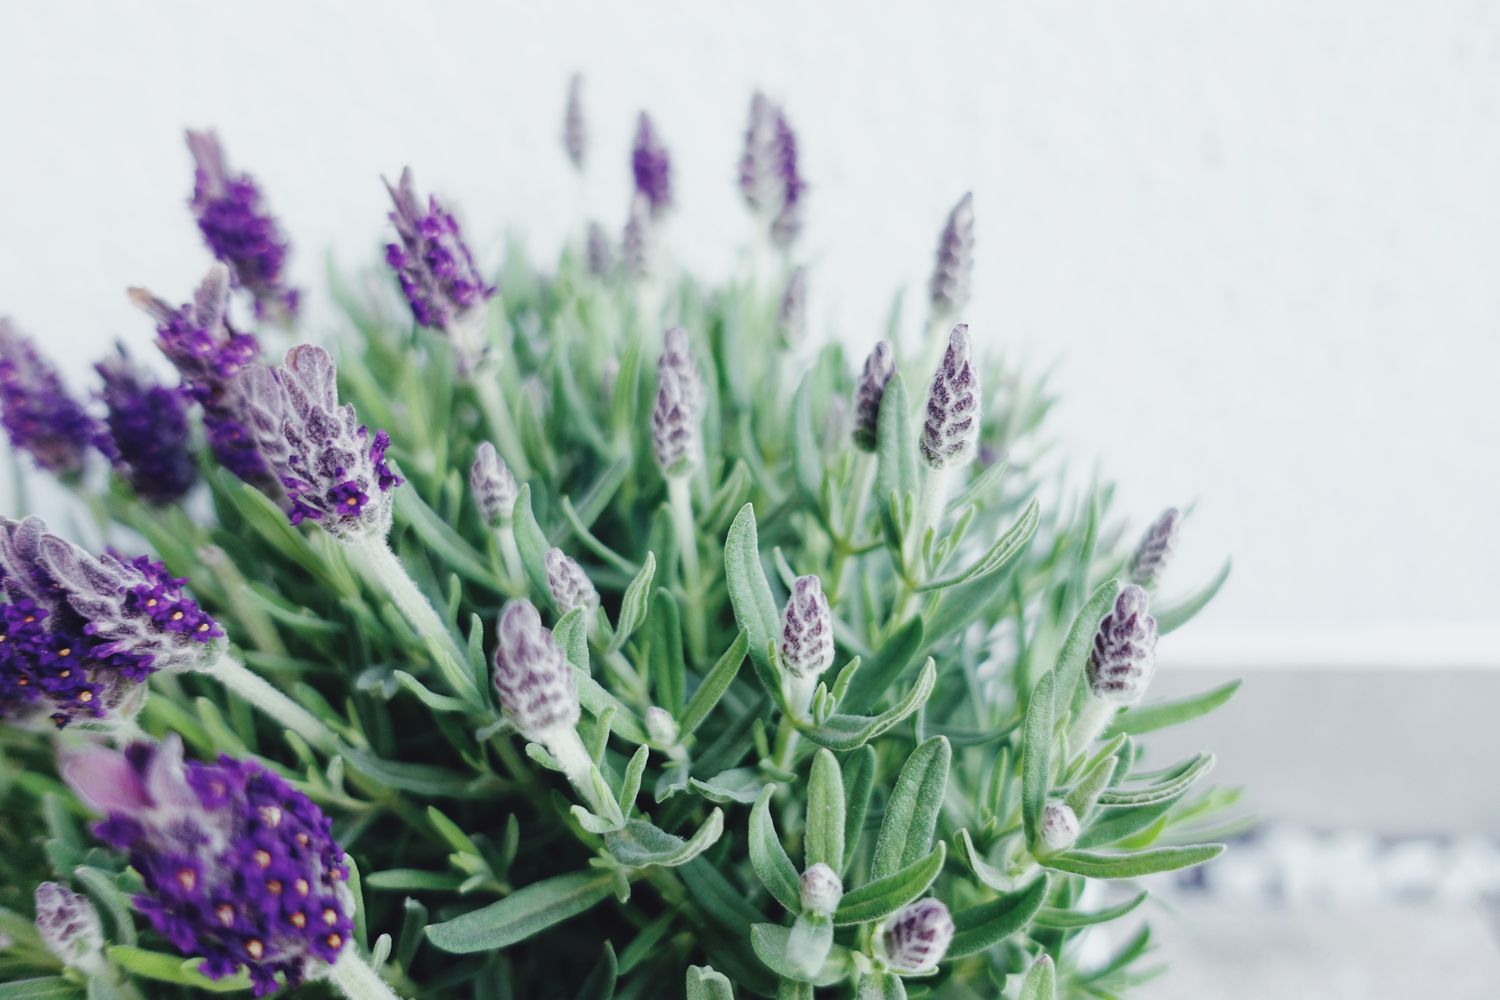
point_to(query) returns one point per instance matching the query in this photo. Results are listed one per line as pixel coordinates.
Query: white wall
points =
(1260, 239)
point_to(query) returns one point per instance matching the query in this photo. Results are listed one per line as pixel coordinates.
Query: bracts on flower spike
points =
(569, 584)
(954, 266)
(916, 937)
(39, 415)
(69, 926)
(676, 435)
(148, 430)
(806, 647)
(575, 132)
(1155, 549)
(869, 393)
(1120, 666)
(236, 866)
(950, 431)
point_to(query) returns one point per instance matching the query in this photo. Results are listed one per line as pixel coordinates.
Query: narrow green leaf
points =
(714, 685)
(600, 985)
(414, 880)
(1061, 919)
(668, 667)
(738, 784)
(769, 858)
(847, 732)
(1149, 718)
(532, 543)
(979, 927)
(770, 944)
(630, 785)
(571, 633)
(999, 556)
(825, 813)
(983, 870)
(48, 988)
(101, 885)
(885, 896)
(859, 782)
(911, 815)
(1171, 618)
(1177, 780)
(633, 605)
(173, 969)
(523, 913)
(750, 594)
(1041, 981)
(1085, 793)
(881, 672)
(641, 845)
(1036, 755)
(895, 445)
(1133, 864)
(878, 985)
(703, 983)
(1075, 648)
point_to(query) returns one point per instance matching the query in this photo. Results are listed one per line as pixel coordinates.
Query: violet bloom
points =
(492, 485)
(758, 160)
(917, 936)
(676, 439)
(806, 648)
(236, 866)
(1155, 548)
(537, 688)
(575, 131)
(637, 242)
(333, 469)
(148, 430)
(1123, 659)
(437, 272)
(788, 221)
(954, 266)
(239, 230)
(950, 432)
(39, 416)
(652, 167)
(69, 927)
(568, 584)
(869, 393)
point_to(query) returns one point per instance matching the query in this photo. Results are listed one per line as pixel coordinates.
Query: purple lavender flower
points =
(237, 866)
(917, 936)
(598, 253)
(334, 471)
(677, 355)
(1155, 549)
(68, 925)
(437, 271)
(676, 439)
(788, 221)
(537, 688)
(1124, 654)
(793, 313)
(806, 630)
(652, 167)
(637, 242)
(39, 416)
(569, 584)
(492, 486)
(1059, 826)
(575, 132)
(239, 230)
(758, 161)
(148, 430)
(880, 366)
(950, 433)
(949, 287)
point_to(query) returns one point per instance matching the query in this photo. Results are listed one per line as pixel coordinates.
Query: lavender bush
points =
(552, 633)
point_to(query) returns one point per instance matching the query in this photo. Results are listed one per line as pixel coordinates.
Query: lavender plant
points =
(553, 633)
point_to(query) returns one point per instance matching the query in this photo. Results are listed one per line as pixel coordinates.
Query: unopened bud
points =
(917, 936)
(868, 395)
(1124, 654)
(1059, 826)
(950, 433)
(949, 287)
(806, 630)
(822, 889)
(492, 485)
(1155, 549)
(568, 583)
(537, 687)
(676, 438)
(68, 924)
(660, 726)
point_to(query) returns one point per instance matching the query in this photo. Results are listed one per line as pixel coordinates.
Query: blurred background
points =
(1254, 244)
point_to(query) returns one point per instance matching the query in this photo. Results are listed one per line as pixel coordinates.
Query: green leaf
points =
(1074, 653)
(571, 633)
(769, 858)
(415, 880)
(895, 446)
(450, 832)
(1061, 919)
(1177, 780)
(668, 668)
(1089, 787)
(532, 543)
(1036, 756)
(770, 944)
(523, 913)
(600, 985)
(1149, 718)
(103, 988)
(738, 784)
(881, 672)
(750, 594)
(1171, 618)
(859, 782)
(877, 985)
(596, 700)
(173, 969)
(714, 685)
(983, 870)
(633, 604)
(911, 815)
(807, 457)
(1133, 864)
(1040, 982)
(101, 885)
(48, 988)
(848, 732)
(885, 896)
(979, 927)
(824, 841)
(999, 556)
(640, 844)
(630, 785)
(456, 554)
(703, 983)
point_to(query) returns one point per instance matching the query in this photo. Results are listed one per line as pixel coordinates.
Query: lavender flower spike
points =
(69, 926)
(950, 433)
(575, 133)
(917, 936)
(1124, 654)
(437, 272)
(870, 393)
(333, 469)
(538, 690)
(148, 430)
(239, 230)
(951, 274)
(492, 486)
(793, 314)
(806, 630)
(39, 416)
(788, 221)
(758, 161)
(1155, 549)
(676, 438)
(651, 166)
(569, 584)
(638, 239)
(236, 865)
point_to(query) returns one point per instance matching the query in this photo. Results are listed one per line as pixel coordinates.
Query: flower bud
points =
(68, 924)
(38, 414)
(148, 430)
(758, 160)
(822, 889)
(951, 272)
(569, 584)
(1124, 653)
(537, 688)
(598, 252)
(1059, 826)
(651, 166)
(1154, 551)
(950, 433)
(676, 438)
(793, 313)
(806, 630)
(870, 393)
(677, 354)
(492, 486)
(575, 133)
(917, 936)
(637, 242)
(660, 726)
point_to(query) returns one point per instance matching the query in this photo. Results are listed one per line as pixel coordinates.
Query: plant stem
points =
(515, 573)
(1096, 714)
(680, 494)
(277, 706)
(497, 416)
(356, 980)
(565, 746)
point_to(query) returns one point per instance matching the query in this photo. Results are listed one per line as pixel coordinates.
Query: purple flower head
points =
(148, 430)
(237, 866)
(758, 161)
(575, 132)
(677, 355)
(793, 313)
(68, 925)
(536, 685)
(1155, 549)
(949, 287)
(1124, 653)
(1059, 826)
(599, 254)
(492, 486)
(676, 439)
(652, 167)
(239, 230)
(950, 433)
(39, 416)
(870, 393)
(197, 338)
(569, 584)
(821, 890)
(637, 242)
(333, 469)
(917, 936)
(437, 271)
(806, 630)
(788, 221)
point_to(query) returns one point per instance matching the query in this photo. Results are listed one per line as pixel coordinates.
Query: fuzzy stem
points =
(275, 705)
(515, 572)
(356, 980)
(680, 494)
(497, 416)
(257, 623)
(380, 567)
(565, 746)
(1095, 715)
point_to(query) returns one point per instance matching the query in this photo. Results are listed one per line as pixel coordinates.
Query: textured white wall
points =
(1259, 240)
